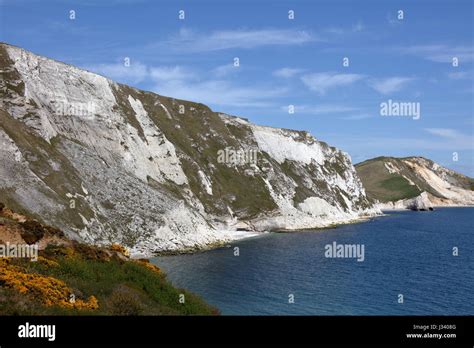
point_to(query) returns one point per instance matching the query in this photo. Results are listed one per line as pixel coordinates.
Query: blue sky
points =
(282, 62)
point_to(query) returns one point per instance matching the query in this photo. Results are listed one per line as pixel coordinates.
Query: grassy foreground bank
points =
(70, 278)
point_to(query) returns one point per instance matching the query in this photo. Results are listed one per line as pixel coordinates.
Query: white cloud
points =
(358, 27)
(335, 30)
(358, 116)
(287, 72)
(212, 88)
(225, 70)
(342, 112)
(191, 41)
(389, 85)
(138, 72)
(167, 73)
(444, 132)
(415, 145)
(322, 109)
(321, 82)
(461, 75)
(441, 53)
(220, 92)
(208, 87)
(393, 20)
(452, 138)
(134, 73)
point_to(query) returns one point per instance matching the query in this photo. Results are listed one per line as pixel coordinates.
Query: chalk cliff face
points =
(414, 183)
(109, 163)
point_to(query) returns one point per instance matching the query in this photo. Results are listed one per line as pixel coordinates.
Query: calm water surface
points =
(409, 253)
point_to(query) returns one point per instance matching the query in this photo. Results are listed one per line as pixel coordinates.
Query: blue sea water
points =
(408, 253)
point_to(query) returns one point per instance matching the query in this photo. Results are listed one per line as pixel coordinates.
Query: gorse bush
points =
(70, 278)
(103, 285)
(49, 290)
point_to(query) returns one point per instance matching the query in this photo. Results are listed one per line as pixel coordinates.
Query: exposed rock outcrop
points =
(414, 183)
(108, 163)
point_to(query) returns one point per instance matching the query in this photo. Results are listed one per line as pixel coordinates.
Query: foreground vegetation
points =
(70, 278)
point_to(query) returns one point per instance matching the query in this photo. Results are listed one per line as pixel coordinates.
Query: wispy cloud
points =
(441, 53)
(338, 111)
(413, 145)
(322, 82)
(209, 87)
(170, 73)
(287, 72)
(193, 41)
(221, 93)
(356, 28)
(389, 85)
(358, 116)
(461, 75)
(135, 73)
(444, 132)
(138, 72)
(225, 70)
(323, 109)
(453, 138)
(392, 19)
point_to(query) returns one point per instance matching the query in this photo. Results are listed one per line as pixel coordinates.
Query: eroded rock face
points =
(419, 203)
(414, 183)
(109, 163)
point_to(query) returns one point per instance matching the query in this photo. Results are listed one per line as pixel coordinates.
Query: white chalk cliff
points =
(110, 163)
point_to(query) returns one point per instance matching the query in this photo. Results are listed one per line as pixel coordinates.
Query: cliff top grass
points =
(382, 185)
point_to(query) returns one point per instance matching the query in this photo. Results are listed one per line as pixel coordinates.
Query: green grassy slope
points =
(384, 186)
(381, 185)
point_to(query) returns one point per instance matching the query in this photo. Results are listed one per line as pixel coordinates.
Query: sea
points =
(402, 263)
